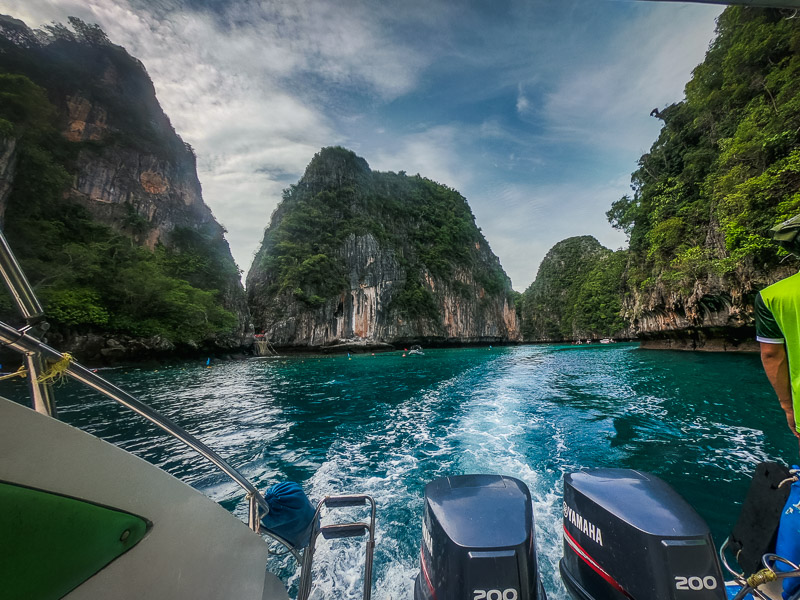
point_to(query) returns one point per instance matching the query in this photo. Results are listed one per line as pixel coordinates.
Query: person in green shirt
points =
(777, 309)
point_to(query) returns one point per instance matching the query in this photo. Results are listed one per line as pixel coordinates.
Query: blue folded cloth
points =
(291, 514)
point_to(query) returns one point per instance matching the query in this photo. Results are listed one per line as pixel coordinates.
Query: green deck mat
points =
(50, 544)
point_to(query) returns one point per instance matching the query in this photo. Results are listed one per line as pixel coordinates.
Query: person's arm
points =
(776, 366)
(775, 359)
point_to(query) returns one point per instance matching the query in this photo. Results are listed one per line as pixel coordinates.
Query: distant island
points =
(577, 294)
(353, 256)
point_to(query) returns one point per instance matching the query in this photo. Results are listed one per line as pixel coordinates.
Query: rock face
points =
(716, 314)
(383, 283)
(152, 176)
(155, 179)
(129, 168)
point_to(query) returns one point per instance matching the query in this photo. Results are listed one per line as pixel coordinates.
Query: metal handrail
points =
(26, 341)
(18, 285)
(21, 341)
(304, 588)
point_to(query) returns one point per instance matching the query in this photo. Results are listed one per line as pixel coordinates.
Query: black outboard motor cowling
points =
(478, 541)
(629, 535)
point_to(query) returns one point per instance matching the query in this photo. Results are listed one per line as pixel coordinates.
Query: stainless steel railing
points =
(23, 342)
(21, 291)
(26, 341)
(340, 530)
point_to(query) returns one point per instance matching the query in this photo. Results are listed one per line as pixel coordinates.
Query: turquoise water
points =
(387, 424)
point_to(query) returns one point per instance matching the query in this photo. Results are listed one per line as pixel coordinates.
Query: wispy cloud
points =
(250, 88)
(606, 100)
(433, 152)
(524, 221)
(523, 104)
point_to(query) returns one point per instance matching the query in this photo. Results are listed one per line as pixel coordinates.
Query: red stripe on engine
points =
(425, 572)
(593, 565)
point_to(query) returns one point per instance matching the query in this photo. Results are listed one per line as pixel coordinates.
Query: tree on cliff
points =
(726, 166)
(576, 293)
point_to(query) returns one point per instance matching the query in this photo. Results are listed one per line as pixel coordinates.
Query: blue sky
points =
(536, 111)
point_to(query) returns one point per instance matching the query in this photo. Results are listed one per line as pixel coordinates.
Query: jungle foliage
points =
(724, 170)
(429, 226)
(726, 166)
(577, 293)
(79, 58)
(88, 276)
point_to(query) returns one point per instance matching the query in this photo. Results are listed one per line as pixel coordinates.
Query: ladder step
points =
(342, 501)
(344, 530)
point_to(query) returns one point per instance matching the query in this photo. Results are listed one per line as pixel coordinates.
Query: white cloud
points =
(599, 106)
(607, 99)
(259, 86)
(523, 104)
(433, 153)
(42, 12)
(522, 222)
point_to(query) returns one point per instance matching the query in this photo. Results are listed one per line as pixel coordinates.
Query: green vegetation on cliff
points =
(726, 166)
(80, 59)
(89, 276)
(599, 299)
(429, 227)
(576, 294)
(724, 170)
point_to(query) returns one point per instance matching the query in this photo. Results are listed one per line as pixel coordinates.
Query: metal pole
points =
(27, 344)
(18, 285)
(22, 293)
(253, 516)
(304, 587)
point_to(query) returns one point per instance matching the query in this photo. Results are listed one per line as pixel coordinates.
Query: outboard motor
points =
(628, 535)
(478, 541)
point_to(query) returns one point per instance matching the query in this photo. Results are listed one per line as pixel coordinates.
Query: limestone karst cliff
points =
(576, 294)
(100, 199)
(724, 170)
(357, 256)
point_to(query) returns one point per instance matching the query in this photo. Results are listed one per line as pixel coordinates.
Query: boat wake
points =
(484, 431)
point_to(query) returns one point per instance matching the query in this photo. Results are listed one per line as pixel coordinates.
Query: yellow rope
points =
(57, 371)
(761, 577)
(54, 374)
(21, 372)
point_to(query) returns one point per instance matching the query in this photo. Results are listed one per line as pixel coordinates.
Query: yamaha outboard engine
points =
(478, 541)
(629, 535)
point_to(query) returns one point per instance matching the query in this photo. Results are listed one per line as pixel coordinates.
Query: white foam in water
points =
(490, 428)
(339, 564)
(482, 440)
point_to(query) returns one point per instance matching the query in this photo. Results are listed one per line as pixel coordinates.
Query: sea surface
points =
(386, 424)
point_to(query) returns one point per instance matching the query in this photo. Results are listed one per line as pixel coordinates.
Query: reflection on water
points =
(386, 425)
